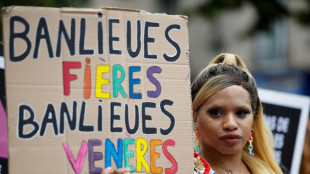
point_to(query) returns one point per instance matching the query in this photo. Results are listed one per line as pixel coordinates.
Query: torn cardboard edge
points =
(9, 9)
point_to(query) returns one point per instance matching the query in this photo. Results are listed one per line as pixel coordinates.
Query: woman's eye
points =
(215, 112)
(242, 113)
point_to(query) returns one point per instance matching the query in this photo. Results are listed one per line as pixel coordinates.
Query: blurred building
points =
(279, 59)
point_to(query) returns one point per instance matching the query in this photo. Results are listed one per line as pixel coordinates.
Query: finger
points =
(121, 171)
(107, 170)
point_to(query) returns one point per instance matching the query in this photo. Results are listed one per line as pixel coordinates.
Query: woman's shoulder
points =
(201, 165)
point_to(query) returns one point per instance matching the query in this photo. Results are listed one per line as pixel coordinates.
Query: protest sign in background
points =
(93, 88)
(287, 117)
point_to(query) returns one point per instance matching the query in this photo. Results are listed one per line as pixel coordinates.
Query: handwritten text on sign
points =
(71, 37)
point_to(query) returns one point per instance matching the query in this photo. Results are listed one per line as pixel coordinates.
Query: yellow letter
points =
(100, 81)
(140, 155)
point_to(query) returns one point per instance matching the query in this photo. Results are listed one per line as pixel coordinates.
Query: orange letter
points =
(155, 155)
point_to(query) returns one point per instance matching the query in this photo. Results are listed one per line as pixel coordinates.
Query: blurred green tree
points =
(42, 3)
(268, 11)
(303, 15)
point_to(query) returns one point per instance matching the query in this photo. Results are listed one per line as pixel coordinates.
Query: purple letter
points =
(93, 156)
(150, 72)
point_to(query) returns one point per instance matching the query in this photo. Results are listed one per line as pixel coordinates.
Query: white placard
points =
(281, 110)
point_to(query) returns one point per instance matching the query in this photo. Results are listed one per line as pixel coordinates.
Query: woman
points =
(231, 134)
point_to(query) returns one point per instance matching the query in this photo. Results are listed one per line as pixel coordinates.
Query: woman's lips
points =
(231, 139)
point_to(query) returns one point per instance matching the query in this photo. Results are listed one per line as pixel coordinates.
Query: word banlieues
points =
(74, 119)
(75, 39)
(122, 155)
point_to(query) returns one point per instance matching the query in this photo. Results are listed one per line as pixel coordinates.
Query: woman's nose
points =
(230, 122)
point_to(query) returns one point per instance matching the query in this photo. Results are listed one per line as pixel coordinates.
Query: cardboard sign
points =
(287, 117)
(93, 88)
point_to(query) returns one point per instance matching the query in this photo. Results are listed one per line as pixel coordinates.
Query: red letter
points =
(174, 167)
(67, 77)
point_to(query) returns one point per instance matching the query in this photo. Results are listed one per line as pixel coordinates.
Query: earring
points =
(250, 147)
(197, 144)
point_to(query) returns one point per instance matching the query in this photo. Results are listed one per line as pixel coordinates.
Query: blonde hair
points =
(226, 70)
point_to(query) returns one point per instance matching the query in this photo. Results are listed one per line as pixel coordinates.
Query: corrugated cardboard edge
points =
(119, 9)
(8, 9)
(139, 11)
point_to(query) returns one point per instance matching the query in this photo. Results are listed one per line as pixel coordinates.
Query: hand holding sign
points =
(117, 171)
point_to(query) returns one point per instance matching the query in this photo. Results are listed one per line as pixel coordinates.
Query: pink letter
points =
(78, 163)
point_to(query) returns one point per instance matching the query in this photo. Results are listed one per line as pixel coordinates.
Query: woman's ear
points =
(195, 116)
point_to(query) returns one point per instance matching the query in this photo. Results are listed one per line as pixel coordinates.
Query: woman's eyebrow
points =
(215, 106)
(244, 107)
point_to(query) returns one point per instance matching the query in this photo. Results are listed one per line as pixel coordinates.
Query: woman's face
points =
(225, 121)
